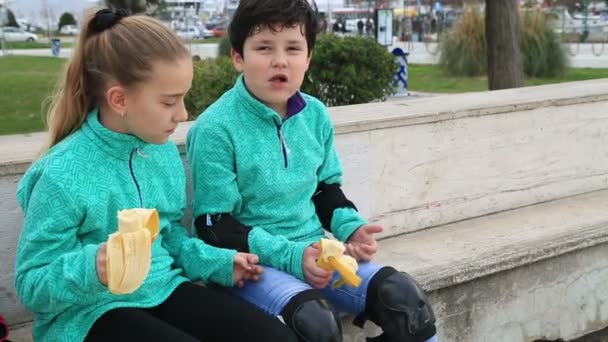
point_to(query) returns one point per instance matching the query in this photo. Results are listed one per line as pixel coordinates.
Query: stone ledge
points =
(18, 151)
(456, 253)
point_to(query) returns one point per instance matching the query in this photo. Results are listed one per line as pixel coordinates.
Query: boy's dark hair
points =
(254, 15)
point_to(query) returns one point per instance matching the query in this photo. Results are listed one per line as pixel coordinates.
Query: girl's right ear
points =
(237, 60)
(115, 97)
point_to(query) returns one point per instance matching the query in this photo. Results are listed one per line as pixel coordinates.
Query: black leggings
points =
(191, 313)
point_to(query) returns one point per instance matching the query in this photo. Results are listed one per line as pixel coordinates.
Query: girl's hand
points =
(101, 261)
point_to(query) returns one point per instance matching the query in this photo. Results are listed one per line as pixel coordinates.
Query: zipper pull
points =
(284, 149)
(141, 154)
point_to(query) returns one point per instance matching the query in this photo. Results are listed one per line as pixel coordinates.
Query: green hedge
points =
(212, 78)
(350, 70)
(224, 47)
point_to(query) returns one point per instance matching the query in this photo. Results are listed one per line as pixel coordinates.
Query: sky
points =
(33, 9)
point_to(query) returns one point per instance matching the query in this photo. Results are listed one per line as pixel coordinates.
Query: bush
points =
(543, 53)
(212, 78)
(224, 47)
(350, 70)
(464, 52)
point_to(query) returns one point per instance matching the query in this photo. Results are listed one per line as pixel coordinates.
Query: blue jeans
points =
(276, 288)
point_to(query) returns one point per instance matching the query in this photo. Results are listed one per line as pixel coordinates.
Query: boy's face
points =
(274, 64)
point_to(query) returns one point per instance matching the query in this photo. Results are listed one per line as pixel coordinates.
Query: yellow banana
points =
(134, 219)
(129, 251)
(332, 258)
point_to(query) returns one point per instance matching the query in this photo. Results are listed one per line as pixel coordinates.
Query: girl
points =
(120, 99)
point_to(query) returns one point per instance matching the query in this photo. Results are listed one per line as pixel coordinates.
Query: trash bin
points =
(55, 46)
(401, 74)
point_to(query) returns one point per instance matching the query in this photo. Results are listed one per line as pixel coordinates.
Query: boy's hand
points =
(246, 268)
(362, 245)
(100, 264)
(315, 275)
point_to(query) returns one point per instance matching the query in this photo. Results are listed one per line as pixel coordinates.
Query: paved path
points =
(581, 55)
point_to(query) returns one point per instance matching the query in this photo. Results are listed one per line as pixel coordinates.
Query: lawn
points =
(430, 78)
(210, 40)
(25, 82)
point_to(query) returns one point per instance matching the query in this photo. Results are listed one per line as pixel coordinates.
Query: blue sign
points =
(400, 80)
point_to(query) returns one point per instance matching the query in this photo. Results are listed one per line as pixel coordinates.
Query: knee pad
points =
(312, 318)
(397, 304)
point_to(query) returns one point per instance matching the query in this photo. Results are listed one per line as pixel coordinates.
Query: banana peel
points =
(332, 258)
(135, 219)
(129, 250)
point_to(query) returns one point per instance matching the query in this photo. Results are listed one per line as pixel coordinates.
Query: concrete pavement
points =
(581, 55)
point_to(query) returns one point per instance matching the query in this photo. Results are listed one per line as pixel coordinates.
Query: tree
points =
(505, 64)
(135, 6)
(66, 19)
(11, 19)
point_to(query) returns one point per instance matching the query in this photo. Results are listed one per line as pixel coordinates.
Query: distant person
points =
(369, 27)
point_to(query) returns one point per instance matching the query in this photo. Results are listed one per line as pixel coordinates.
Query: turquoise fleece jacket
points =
(263, 170)
(70, 198)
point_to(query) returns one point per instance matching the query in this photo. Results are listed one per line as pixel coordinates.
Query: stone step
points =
(538, 272)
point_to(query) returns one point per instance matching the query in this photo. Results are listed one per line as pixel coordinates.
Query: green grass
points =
(430, 78)
(35, 45)
(211, 40)
(25, 82)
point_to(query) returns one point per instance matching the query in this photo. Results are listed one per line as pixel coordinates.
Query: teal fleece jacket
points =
(263, 170)
(70, 198)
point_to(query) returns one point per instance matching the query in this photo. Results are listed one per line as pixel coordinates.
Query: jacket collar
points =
(115, 144)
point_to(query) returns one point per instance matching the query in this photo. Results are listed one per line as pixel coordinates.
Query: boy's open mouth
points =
(279, 78)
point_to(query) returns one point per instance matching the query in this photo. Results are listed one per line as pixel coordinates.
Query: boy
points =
(267, 181)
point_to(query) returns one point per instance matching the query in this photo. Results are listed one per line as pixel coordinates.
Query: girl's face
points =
(154, 108)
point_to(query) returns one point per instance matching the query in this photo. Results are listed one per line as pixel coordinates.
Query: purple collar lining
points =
(295, 104)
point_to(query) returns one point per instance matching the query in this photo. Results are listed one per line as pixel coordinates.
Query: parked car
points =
(188, 33)
(205, 33)
(70, 30)
(219, 31)
(15, 34)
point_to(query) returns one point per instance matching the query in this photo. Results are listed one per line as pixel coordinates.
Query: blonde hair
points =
(124, 52)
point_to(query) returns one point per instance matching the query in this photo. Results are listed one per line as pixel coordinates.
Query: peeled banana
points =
(332, 258)
(129, 250)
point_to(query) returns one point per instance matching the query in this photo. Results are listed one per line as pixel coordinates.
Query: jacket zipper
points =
(141, 202)
(283, 145)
